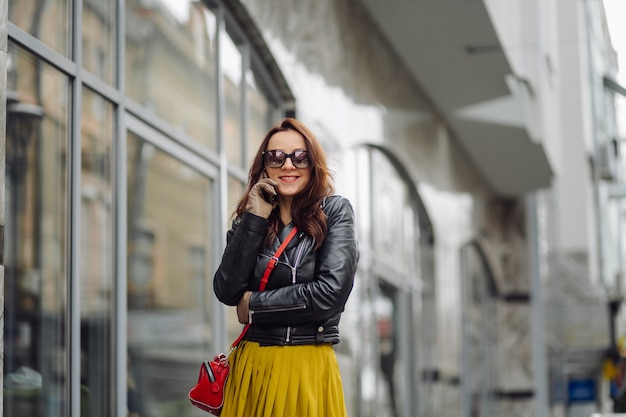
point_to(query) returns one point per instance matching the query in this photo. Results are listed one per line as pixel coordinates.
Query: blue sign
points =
(581, 390)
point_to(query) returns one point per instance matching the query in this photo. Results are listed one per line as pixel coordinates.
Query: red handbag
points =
(208, 393)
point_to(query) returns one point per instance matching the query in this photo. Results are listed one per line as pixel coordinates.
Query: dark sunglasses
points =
(276, 158)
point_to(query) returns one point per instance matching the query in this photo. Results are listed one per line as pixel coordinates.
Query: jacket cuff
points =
(253, 223)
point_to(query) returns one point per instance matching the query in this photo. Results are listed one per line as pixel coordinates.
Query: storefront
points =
(127, 148)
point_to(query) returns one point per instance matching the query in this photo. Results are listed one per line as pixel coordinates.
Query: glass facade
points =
(171, 65)
(480, 333)
(231, 80)
(99, 26)
(169, 293)
(118, 155)
(388, 337)
(48, 21)
(36, 239)
(96, 275)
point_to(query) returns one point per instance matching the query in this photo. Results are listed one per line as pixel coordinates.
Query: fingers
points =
(267, 188)
(267, 180)
(262, 198)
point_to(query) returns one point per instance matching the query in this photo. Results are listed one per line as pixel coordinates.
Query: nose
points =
(291, 165)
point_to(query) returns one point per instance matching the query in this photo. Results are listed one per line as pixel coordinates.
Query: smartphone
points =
(270, 198)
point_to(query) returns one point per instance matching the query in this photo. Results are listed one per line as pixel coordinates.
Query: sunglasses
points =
(276, 158)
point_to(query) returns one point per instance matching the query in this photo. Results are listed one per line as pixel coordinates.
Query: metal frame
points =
(74, 252)
(120, 342)
(537, 314)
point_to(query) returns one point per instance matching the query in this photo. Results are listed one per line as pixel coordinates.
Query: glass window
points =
(235, 191)
(479, 332)
(390, 229)
(48, 21)
(232, 62)
(99, 38)
(35, 251)
(261, 116)
(170, 64)
(169, 280)
(386, 311)
(96, 265)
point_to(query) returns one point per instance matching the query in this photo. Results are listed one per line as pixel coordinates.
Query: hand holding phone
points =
(262, 197)
(269, 195)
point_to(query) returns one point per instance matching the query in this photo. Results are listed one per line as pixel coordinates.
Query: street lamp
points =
(21, 125)
(22, 122)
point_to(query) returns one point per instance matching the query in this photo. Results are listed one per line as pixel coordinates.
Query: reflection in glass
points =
(99, 38)
(35, 251)
(235, 191)
(232, 70)
(261, 116)
(479, 332)
(386, 312)
(170, 64)
(47, 21)
(96, 266)
(169, 289)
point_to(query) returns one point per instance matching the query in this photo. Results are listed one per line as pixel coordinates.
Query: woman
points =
(285, 365)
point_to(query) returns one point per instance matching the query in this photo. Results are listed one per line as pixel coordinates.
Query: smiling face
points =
(291, 180)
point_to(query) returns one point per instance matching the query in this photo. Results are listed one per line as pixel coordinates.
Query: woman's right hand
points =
(243, 311)
(262, 198)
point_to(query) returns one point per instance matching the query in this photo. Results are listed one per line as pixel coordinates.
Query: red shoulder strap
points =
(274, 260)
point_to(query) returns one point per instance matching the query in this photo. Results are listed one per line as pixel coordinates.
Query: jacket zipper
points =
(252, 312)
(280, 309)
(297, 261)
(288, 335)
(293, 278)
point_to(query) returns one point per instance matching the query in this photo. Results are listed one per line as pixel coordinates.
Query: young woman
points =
(286, 365)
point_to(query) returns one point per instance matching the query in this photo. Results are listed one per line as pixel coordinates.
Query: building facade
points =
(483, 230)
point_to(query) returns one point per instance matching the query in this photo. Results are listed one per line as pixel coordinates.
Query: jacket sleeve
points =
(243, 243)
(327, 293)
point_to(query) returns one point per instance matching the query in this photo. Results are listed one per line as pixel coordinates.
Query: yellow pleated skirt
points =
(284, 381)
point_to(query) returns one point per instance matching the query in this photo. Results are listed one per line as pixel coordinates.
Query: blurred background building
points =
(478, 141)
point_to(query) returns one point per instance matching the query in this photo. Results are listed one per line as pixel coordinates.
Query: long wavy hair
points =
(306, 210)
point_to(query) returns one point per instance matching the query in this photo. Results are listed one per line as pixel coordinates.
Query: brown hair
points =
(306, 210)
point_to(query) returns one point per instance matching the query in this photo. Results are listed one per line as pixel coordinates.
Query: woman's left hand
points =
(243, 310)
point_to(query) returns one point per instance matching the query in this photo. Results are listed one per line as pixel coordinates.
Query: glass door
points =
(387, 312)
(171, 202)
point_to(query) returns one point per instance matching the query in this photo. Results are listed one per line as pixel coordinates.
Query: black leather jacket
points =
(307, 290)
